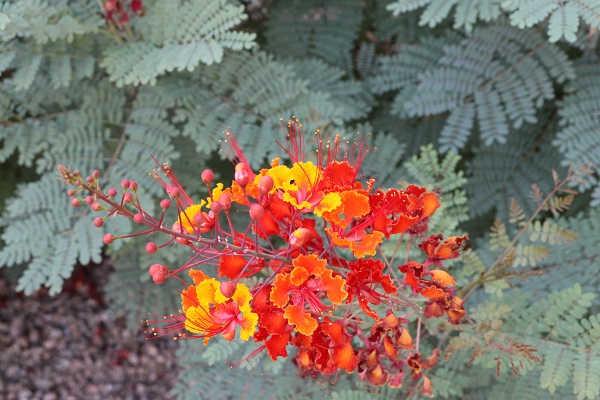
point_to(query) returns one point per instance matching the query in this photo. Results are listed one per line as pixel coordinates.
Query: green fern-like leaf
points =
(202, 33)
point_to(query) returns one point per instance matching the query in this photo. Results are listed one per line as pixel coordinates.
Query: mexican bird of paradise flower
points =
(306, 268)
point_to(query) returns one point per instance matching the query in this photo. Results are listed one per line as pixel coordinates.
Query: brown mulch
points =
(69, 346)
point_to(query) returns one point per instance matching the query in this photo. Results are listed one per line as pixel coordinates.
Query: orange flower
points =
(300, 287)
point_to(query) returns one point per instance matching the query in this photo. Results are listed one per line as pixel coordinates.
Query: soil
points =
(69, 346)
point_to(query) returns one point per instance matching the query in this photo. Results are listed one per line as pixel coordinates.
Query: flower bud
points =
(89, 200)
(173, 190)
(300, 237)
(265, 184)
(228, 289)
(96, 206)
(75, 202)
(89, 179)
(128, 198)
(125, 184)
(165, 203)
(241, 176)
(138, 218)
(198, 219)
(178, 228)
(207, 176)
(96, 174)
(112, 192)
(133, 185)
(108, 238)
(158, 273)
(70, 193)
(225, 199)
(216, 207)
(151, 247)
(98, 222)
(256, 211)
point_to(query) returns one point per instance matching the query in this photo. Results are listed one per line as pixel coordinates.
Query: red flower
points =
(363, 275)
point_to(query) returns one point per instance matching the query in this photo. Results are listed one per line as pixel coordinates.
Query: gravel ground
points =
(69, 347)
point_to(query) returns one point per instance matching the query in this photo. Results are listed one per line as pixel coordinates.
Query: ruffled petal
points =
(334, 287)
(280, 293)
(305, 324)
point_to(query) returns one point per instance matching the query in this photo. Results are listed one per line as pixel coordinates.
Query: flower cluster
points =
(305, 270)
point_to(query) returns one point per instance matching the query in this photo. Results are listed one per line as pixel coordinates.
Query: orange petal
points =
(335, 330)
(345, 358)
(197, 275)
(188, 298)
(231, 266)
(312, 263)
(280, 293)
(305, 324)
(368, 245)
(405, 340)
(334, 287)
(337, 240)
(433, 292)
(442, 277)
(276, 346)
(298, 275)
(430, 204)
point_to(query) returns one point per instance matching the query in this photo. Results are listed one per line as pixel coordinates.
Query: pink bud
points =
(241, 176)
(256, 211)
(158, 273)
(216, 207)
(108, 239)
(207, 176)
(225, 199)
(110, 5)
(75, 202)
(228, 289)
(178, 228)
(89, 179)
(198, 219)
(96, 174)
(70, 193)
(96, 206)
(165, 203)
(138, 218)
(151, 247)
(173, 190)
(98, 222)
(265, 184)
(300, 237)
(125, 184)
(112, 192)
(128, 198)
(89, 200)
(133, 185)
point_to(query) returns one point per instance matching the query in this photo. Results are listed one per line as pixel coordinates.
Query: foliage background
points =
(505, 91)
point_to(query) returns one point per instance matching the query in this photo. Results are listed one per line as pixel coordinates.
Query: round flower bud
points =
(216, 207)
(108, 238)
(225, 199)
(75, 202)
(70, 193)
(89, 179)
(178, 228)
(112, 192)
(96, 174)
(125, 184)
(89, 200)
(128, 198)
(151, 247)
(198, 219)
(165, 203)
(158, 273)
(138, 218)
(265, 184)
(241, 176)
(96, 206)
(300, 237)
(256, 211)
(98, 222)
(228, 289)
(173, 190)
(133, 185)
(207, 176)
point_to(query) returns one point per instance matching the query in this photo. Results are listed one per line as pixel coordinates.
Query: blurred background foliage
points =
(500, 92)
